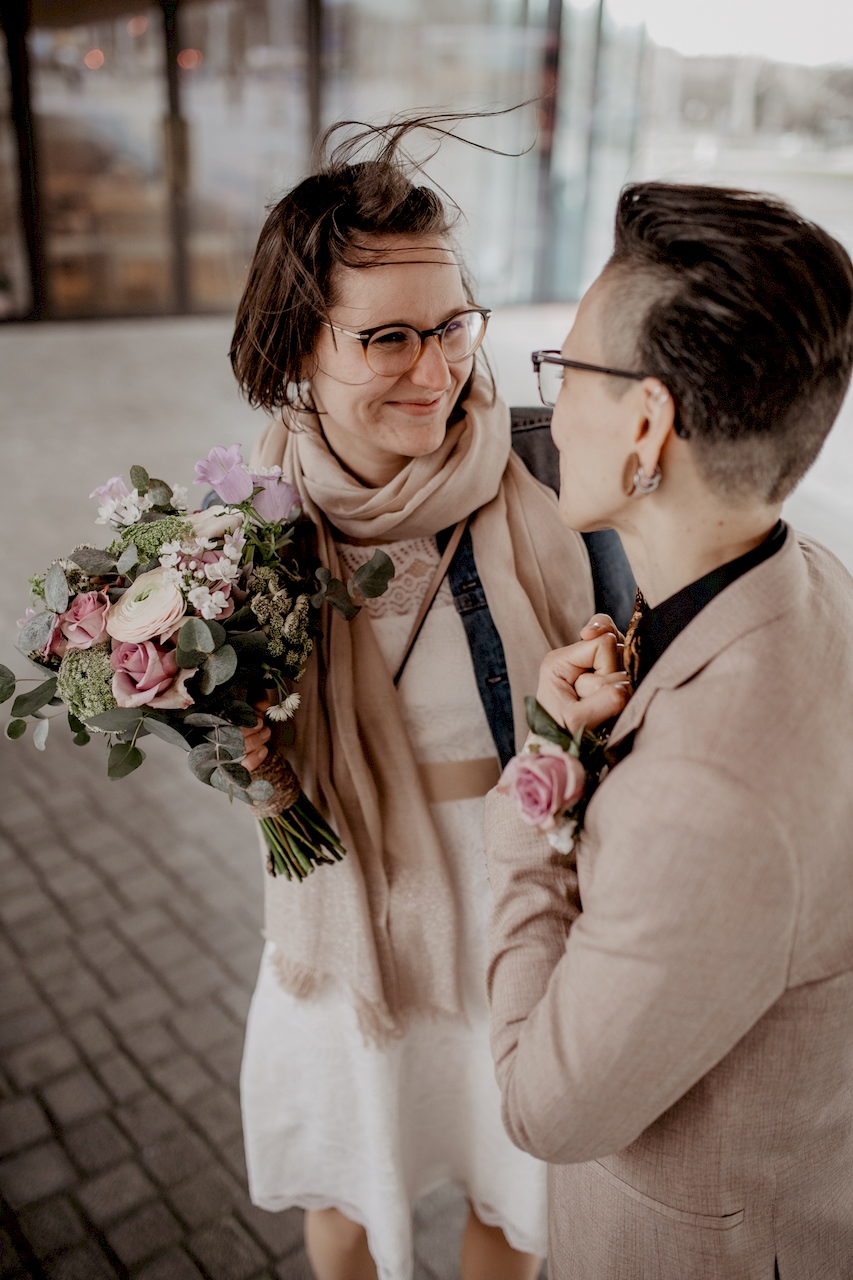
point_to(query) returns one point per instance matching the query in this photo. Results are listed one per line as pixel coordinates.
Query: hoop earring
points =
(643, 484)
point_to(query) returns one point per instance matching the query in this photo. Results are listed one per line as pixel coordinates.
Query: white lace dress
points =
(331, 1121)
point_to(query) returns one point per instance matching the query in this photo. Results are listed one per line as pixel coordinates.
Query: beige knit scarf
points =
(382, 923)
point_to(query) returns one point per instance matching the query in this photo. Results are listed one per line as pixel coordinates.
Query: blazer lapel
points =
(765, 593)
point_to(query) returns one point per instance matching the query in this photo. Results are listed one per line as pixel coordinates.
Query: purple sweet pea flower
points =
(276, 499)
(223, 470)
(111, 491)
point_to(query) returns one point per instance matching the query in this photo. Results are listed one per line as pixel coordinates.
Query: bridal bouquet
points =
(179, 625)
(553, 779)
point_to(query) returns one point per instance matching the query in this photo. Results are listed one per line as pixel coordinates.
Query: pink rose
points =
(147, 675)
(543, 786)
(84, 623)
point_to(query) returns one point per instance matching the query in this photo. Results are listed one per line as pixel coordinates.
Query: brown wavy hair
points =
(323, 224)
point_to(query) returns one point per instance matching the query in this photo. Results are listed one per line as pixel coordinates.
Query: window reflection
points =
(97, 92)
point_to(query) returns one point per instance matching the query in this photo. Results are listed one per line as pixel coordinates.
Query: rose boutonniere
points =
(553, 779)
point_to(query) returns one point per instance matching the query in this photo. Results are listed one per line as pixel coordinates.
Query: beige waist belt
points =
(459, 779)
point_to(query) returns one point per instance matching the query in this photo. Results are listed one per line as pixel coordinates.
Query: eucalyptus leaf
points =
(161, 729)
(339, 598)
(203, 720)
(218, 669)
(228, 736)
(56, 589)
(318, 599)
(241, 618)
(81, 739)
(260, 790)
(93, 560)
(323, 575)
(74, 724)
(371, 579)
(250, 643)
(128, 559)
(123, 759)
(131, 735)
(196, 634)
(202, 761)
(189, 659)
(239, 775)
(222, 782)
(160, 493)
(545, 725)
(119, 720)
(40, 734)
(27, 704)
(36, 633)
(139, 479)
(149, 566)
(239, 712)
(216, 629)
(7, 683)
(16, 729)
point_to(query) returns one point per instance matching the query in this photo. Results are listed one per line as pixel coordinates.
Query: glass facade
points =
(159, 146)
(96, 92)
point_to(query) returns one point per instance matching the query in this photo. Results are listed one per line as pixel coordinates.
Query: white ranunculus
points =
(214, 522)
(150, 607)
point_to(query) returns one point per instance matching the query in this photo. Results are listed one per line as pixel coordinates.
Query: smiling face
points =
(376, 423)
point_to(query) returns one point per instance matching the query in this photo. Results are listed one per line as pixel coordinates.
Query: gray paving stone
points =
(18, 1029)
(96, 1145)
(92, 1037)
(52, 1225)
(140, 925)
(174, 1265)
(226, 1252)
(39, 1172)
(73, 991)
(206, 1196)
(297, 1267)
(151, 1044)
(147, 1232)
(147, 1118)
(40, 1061)
(22, 1123)
(176, 1157)
(280, 1233)
(16, 993)
(120, 1076)
(143, 1006)
(217, 1113)
(37, 933)
(113, 1194)
(203, 1026)
(11, 1263)
(87, 1262)
(74, 1097)
(181, 1078)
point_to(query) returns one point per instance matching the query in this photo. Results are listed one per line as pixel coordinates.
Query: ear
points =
(656, 422)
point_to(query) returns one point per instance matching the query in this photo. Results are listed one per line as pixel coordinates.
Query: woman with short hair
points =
(367, 1080)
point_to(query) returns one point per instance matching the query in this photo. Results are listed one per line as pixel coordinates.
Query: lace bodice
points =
(415, 562)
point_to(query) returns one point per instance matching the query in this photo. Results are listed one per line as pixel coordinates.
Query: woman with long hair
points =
(367, 1080)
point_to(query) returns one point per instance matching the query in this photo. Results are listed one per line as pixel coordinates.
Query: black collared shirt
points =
(659, 626)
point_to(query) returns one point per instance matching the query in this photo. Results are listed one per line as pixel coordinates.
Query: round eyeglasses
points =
(393, 349)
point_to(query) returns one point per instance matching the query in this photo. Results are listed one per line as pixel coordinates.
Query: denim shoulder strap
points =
(487, 651)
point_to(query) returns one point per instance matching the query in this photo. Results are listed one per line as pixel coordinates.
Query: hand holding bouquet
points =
(179, 625)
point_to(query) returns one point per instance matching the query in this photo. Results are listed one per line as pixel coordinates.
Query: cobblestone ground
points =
(129, 945)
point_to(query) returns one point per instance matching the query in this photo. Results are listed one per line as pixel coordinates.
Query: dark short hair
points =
(744, 310)
(317, 227)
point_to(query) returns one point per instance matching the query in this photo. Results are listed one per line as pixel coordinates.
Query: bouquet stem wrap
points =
(297, 836)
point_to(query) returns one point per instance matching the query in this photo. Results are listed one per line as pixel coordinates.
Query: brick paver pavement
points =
(129, 945)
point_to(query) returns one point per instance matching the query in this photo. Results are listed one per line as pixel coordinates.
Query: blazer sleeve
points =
(601, 1022)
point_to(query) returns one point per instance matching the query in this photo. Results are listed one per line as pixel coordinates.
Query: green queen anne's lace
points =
(84, 681)
(149, 538)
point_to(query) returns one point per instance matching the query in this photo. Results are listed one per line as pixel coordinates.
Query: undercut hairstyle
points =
(744, 311)
(323, 224)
